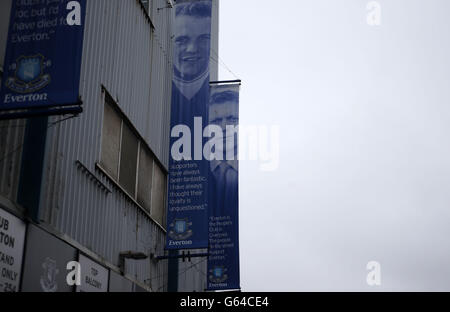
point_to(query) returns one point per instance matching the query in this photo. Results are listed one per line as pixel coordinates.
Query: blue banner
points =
(223, 261)
(43, 55)
(187, 217)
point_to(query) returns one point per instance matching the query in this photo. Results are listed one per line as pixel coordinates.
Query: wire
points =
(222, 63)
(18, 148)
(13, 127)
(62, 120)
(194, 265)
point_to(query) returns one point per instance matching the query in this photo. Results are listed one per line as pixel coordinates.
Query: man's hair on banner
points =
(224, 97)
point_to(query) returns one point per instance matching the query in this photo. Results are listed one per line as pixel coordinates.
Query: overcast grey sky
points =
(364, 114)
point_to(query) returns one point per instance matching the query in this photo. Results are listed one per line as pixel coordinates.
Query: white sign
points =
(94, 277)
(12, 238)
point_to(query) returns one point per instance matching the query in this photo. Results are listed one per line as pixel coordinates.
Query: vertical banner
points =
(223, 262)
(43, 55)
(187, 217)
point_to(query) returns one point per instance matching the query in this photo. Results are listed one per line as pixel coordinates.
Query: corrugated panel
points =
(134, 63)
(214, 63)
(161, 76)
(117, 53)
(5, 9)
(192, 275)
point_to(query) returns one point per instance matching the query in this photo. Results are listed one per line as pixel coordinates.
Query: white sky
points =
(365, 152)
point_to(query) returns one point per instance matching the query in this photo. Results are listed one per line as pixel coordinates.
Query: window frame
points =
(142, 144)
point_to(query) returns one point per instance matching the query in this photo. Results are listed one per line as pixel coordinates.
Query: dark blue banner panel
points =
(43, 54)
(223, 261)
(187, 217)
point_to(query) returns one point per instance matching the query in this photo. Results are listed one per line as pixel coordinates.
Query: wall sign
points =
(45, 266)
(94, 277)
(12, 237)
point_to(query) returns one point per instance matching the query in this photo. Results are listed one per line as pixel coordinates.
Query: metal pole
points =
(32, 168)
(173, 272)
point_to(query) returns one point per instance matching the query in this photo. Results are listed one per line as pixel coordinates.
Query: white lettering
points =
(374, 15)
(198, 140)
(7, 98)
(374, 276)
(192, 302)
(184, 143)
(74, 16)
(24, 98)
(216, 143)
(270, 156)
(74, 276)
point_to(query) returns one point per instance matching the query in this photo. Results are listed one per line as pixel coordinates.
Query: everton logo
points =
(29, 74)
(218, 274)
(48, 279)
(179, 230)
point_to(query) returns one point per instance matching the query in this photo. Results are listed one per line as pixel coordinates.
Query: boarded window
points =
(158, 211)
(128, 160)
(111, 139)
(145, 176)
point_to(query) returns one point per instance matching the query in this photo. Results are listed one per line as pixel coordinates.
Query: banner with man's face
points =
(223, 190)
(187, 217)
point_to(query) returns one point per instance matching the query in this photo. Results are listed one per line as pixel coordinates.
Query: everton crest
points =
(29, 74)
(179, 230)
(218, 274)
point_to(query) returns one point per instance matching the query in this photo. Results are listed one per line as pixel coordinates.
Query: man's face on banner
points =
(192, 45)
(223, 115)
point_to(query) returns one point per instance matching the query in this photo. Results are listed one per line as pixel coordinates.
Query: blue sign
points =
(187, 217)
(43, 55)
(223, 193)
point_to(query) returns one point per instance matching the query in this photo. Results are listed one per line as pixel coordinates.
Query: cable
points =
(187, 269)
(18, 148)
(13, 127)
(221, 62)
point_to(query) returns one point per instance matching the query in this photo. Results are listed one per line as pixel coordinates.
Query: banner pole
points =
(32, 167)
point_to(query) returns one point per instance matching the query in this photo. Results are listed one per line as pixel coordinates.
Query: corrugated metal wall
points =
(161, 77)
(133, 62)
(5, 9)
